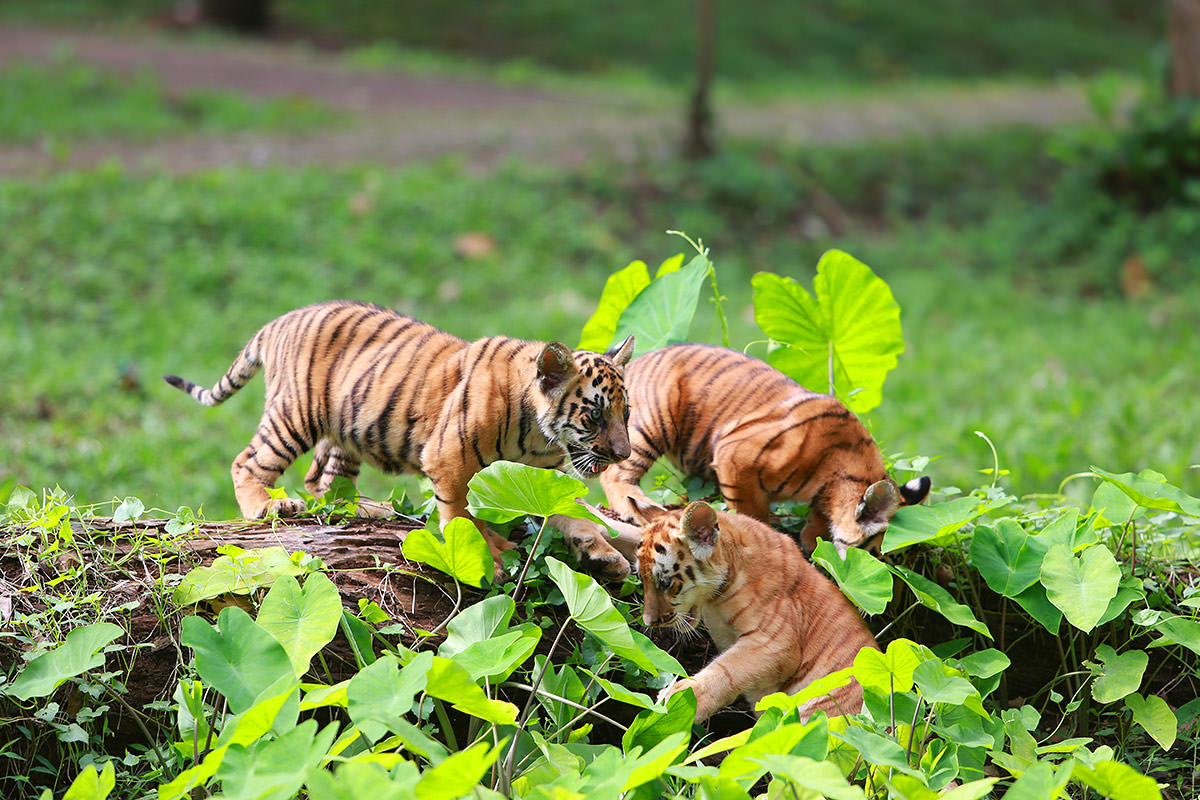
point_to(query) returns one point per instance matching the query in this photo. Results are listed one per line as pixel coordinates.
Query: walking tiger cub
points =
(365, 384)
(778, 622)
(760, 436)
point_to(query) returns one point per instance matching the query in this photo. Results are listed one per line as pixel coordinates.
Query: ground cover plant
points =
(775, 43)
(125, 277)
(978, 581)
(62, 101)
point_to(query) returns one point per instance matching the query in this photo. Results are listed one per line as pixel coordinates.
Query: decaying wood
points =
(362, 557)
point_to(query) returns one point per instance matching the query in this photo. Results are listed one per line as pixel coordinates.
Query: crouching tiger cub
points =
(760, 436)
(779, 623)
(365, 384)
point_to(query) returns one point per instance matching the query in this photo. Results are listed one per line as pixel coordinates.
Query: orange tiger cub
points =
(779, 623)
(760, 436)
(362, 383)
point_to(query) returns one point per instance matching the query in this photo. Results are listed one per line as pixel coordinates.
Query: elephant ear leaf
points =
(844, 338)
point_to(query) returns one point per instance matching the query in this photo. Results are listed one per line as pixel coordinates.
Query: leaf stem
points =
(528, 560)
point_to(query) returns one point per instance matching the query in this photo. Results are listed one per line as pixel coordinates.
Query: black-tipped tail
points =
(198, 393)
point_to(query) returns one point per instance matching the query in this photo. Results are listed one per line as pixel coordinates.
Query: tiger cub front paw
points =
(281, 507)
(677, 686)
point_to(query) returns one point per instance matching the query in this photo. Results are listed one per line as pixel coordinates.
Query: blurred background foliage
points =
(1046, 276)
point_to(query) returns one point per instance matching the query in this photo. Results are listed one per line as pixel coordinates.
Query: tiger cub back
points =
(778, 622)
(364, 384)
(760, 437)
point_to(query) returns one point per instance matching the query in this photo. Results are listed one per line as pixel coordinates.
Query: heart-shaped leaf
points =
(1009, 559)
(1151, 490)
(1153, 714)
(78, 653)
(619, 290)
(505, 490)
(592, 609)
(1081, 587)
(849, 332)
(302, 620)
(861, 577)
(381, 694)
(1119, 675)
(662, 312)
(464, 555)
(238, 658)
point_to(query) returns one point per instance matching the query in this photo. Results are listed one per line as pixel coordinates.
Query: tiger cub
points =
(362, 383)
(760, 436)
(779, 623)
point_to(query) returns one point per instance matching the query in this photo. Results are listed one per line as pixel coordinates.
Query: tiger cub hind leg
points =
(331, 461)
(256, 469)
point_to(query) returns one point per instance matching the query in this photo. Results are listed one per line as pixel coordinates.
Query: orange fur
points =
(779, 623)
(362, 383)
(761, 437)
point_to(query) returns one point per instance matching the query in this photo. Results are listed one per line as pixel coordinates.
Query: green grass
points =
(1012, 329)
(68, 100)
(773, 42)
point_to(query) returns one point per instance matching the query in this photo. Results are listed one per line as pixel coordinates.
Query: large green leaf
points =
(302, 620)
(818, 778)
(1151, 490)
(1178, 630)
(941, 684)
(1038, 605)
(933, 596)
(238, 658)
(274, 769)
(876, 749)
(1118, 781)
(809, 739)
(932, 523)
(661, 314)
(651, 726)
(448, 681)
(505, 490)
(78, 653)
(464, 555)
(355, 780)
(240, 572)
(92, 785)
(476, 623)
(479, 640)
(1039, 782)
(619, 290)
(649, 766)
(458, 774)
(1009, 559)
(592, 609)
(1129, 590)
(1153, 714)
(883, 672)
(382, 693)
(1119, 675)
(861, 577)
(1081, 587)
(851, 328)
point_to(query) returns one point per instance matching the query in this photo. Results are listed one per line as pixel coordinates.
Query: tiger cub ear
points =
(879, 503)
(556, 365)
(915, 490)
(621, 354)
(699, 525)
(644, 511)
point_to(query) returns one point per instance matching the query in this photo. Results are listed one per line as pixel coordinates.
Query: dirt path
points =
(396, 117)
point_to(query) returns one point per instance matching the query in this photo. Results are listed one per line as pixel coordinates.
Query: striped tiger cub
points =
(362, 383)
(760, 436)
(778, 622)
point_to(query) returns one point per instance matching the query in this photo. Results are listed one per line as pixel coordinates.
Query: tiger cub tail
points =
(244, 367)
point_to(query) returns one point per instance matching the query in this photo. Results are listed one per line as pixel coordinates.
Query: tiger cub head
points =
(862, 520)
(585, 407)
(679, 563)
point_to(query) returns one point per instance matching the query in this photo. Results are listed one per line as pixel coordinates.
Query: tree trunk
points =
(1183, 36)
(244, 16)
(700, 142)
